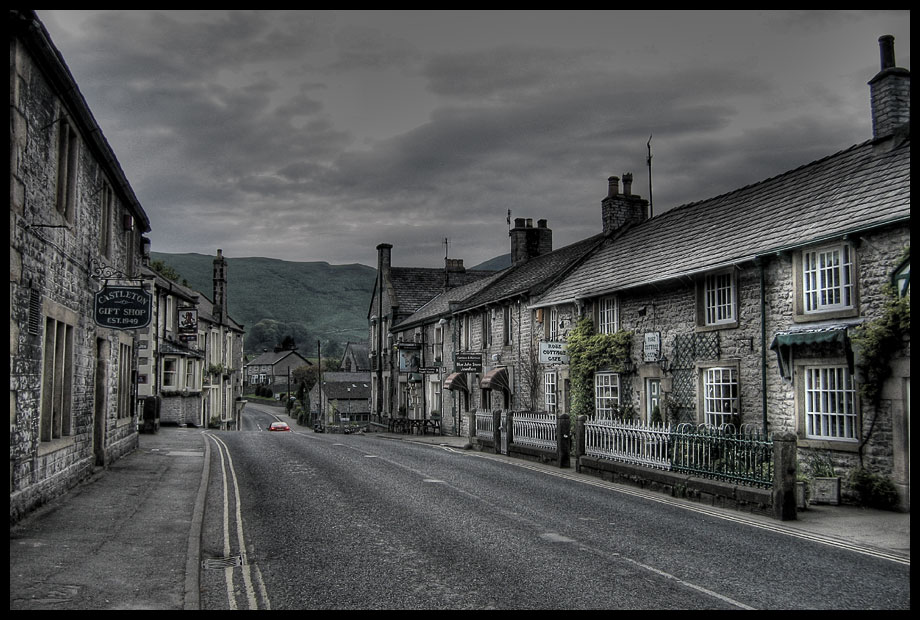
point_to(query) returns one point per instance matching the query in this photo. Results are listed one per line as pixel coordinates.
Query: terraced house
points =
(772, 307)
(762, 307)
(190, 359)
(76, 230)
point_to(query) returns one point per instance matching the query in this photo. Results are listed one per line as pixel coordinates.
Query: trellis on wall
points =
(689, 349)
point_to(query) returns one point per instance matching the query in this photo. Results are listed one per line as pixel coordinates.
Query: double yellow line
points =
(228, 477)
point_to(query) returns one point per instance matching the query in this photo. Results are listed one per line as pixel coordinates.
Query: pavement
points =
(129, 537)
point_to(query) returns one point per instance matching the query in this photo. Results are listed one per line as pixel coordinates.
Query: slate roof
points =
(865, 186)
(533, 276)
(441, 305)
(270, 358)
(358, 350)
(416, 286)
(347, 385)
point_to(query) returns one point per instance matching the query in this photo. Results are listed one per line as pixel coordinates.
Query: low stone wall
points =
(710, 492)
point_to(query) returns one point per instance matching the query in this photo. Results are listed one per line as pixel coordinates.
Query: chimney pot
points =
(627, 184)
(541, 223)
(613, 184)
(886, 51)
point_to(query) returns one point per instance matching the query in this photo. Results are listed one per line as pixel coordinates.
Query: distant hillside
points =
(273, 298)
(496, 264)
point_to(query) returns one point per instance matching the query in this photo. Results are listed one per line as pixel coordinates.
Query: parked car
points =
(279, 426)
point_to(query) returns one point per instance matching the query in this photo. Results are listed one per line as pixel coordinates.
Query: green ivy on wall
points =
(588, 353)
(878, 340)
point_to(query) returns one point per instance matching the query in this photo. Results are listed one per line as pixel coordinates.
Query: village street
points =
(305, 520)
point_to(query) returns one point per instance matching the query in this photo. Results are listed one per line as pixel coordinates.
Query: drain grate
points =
(218, 563)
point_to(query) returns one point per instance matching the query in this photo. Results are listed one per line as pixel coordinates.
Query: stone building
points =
(398, 293)
(190, 360)
(274, 369)
(355, 358)
(748, 308)
(76, 228)
(342, 398)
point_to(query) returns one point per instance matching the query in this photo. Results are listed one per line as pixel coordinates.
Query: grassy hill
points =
(272, 298)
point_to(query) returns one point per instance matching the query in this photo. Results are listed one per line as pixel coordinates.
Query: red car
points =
(279, 426)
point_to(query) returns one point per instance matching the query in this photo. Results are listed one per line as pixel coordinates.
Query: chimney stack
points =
(220, 287)
(889, 92)
(619, 210)
(528, 241)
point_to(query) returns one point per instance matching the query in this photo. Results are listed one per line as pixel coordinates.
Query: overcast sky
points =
(315, 136)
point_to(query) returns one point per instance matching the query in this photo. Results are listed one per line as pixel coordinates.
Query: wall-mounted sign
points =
(469, 362)
(123, 307)
(651, 351)
(553, 353)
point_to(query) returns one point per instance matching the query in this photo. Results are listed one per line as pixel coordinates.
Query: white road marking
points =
(241, 540)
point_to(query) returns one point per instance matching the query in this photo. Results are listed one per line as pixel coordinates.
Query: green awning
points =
(785, 342)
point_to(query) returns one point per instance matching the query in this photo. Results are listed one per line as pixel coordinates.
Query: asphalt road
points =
(324, 521)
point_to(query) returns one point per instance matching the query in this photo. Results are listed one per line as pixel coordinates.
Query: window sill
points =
(47, 447)
(842, 445)
(711, 328)
(800, 317)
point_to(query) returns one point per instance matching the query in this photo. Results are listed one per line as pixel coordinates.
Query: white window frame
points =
(720, 395)
(606, 394)
(171, 373)
(608, 315)
(719, 306)
(552, 326)
(830, 405)
(550, 385)
(828, 279)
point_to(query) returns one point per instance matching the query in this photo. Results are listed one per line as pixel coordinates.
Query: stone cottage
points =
(753, 308)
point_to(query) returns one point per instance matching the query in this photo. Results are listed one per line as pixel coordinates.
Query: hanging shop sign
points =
(188, 324)
(123, 307)
(410, 356)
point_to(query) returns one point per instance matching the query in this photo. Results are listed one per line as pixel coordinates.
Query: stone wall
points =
(53, 257)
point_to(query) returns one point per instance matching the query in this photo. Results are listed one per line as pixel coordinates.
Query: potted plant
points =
(825, 481)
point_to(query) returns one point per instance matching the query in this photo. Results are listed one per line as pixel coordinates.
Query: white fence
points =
(535, 429)
(629, 441)
(485, 425)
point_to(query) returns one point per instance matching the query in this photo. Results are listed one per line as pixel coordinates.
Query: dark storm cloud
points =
(236, 131)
